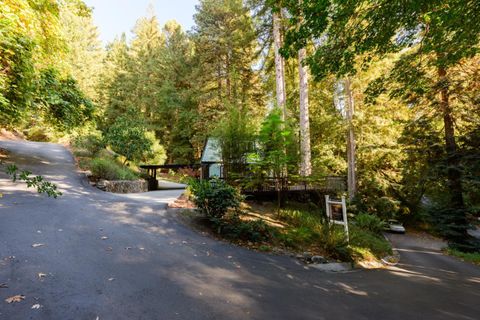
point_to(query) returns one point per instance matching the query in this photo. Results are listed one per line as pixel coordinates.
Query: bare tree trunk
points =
(305, 152)
(351, 161)
(279, 65)
(453, 173)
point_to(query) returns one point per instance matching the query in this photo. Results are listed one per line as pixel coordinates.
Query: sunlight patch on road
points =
(476, 280)
(217, 286)
(419, 251)
(411, 274)
(345, 287)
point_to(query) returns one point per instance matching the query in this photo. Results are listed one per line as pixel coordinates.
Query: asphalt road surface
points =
(149, 266)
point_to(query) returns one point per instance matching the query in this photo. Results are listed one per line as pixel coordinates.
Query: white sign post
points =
(337, 212)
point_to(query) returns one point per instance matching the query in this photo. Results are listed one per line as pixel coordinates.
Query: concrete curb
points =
(393, 259)
(333, 266)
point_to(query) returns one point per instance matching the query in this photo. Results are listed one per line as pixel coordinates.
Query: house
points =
(211, 161)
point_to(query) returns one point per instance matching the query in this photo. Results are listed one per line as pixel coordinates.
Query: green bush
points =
(301, 218)
(110, 170)
(298, 237)
(252, 230)
(156, 154)
(128, 137)
(92, 143)
(473, 257)
(214, 197)
(333, 241)
(369, 222)
(368, 242)
(38, 133)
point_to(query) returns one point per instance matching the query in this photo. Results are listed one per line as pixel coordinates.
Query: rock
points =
(307, 255)
(319, 259)
(333, 267)
(123, 186)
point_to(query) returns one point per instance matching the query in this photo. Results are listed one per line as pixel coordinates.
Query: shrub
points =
(91, 143)
(128, 138)
(38, 133)
(156, 154)
(366, 243)
(333, 241)
(301, 218)
(473, 257)
(110, 170)
(214, 197)
(252, 230)
(298, 237)
(370, 222)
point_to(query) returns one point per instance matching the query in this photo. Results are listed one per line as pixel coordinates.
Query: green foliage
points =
(433, 48)
(226, 45)
(302, 217)
(366, 244)
(236, 136)
(156, 154)
(308, 227)
(127, 136)
(434, 27)
(473, 257)
(30, 90)
(370, 222)
(37, 182)
(109, 169)
(92, 143)
(277, 150)
(61, 101)
(449, 222)
(214, 197)
(333, 240)
(246, 230)
(83, 58)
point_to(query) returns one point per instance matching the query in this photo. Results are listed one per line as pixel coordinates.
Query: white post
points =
(327, 205)
(345, 221)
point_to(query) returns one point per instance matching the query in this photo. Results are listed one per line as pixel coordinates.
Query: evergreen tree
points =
(225, 46)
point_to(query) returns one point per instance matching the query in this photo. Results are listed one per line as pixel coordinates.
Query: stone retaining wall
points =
(123, 186)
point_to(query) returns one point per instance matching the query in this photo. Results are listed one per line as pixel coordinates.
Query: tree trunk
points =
(279, 65)
(453, 172)
(351, 161)
(305, 152)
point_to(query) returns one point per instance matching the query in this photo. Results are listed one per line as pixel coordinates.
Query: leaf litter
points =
(16, 298)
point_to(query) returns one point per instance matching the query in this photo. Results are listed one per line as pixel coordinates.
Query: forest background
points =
(170, 89)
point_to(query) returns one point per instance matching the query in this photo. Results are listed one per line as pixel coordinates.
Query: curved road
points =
(151, 267)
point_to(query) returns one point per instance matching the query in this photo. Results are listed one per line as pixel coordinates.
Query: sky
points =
(113, 17)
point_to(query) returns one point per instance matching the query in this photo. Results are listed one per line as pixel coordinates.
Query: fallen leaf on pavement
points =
(16, 298)
(3, 285)
(36, 245)
(104, 238)
(36, 306)
(42, 275)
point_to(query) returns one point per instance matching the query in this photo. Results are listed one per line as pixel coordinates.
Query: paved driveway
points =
(151, 267)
